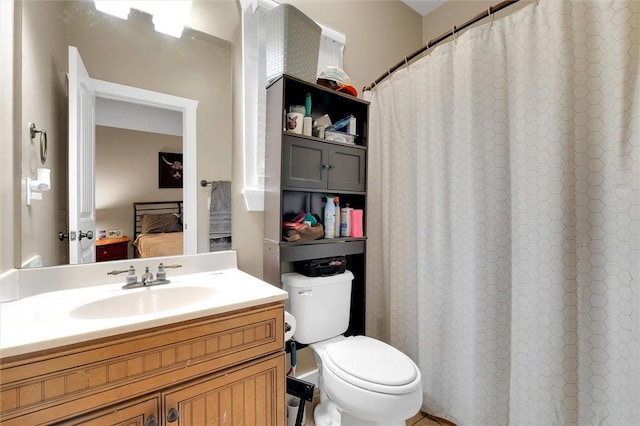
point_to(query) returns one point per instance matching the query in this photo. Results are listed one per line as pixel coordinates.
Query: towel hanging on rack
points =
(220, 216)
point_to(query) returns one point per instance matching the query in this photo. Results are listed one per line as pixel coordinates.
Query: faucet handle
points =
(122, 271)
(172, 266)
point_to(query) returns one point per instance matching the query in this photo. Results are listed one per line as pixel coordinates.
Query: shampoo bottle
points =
(329, 217)
(345, 221)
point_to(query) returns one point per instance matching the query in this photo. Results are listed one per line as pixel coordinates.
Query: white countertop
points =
(59, 318)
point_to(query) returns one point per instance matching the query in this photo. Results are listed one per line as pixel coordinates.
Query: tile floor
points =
(422, 419)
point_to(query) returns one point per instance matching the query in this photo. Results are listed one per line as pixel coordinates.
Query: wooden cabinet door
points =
(252, 395)
(304, 163)
(143, 413)
(347, 170)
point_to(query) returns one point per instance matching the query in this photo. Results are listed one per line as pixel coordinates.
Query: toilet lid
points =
(370, 361)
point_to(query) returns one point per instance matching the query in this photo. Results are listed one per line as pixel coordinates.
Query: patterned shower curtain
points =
(505, 179)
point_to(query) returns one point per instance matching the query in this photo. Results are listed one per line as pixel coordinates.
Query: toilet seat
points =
(371, 364)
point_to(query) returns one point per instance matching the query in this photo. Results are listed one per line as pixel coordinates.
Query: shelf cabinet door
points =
(347, 169)
(311, 164)
(304, 163)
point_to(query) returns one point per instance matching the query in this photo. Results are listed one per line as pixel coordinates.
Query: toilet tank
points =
(320, 305)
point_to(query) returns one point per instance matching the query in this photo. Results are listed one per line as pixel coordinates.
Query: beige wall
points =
(198, 66)
(126, 172)
(456, 12)
(44, 103)
(378, 33)
(9, 160)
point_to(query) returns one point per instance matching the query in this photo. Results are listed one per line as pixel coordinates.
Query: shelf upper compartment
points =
(298, 82)
(336, 105)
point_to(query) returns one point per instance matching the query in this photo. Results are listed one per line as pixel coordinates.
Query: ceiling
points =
(423, 6)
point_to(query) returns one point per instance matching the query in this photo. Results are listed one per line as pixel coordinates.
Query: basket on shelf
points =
(293, 44)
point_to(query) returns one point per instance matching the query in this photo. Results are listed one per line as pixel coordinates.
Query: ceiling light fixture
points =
(116, 8)
(169, 16)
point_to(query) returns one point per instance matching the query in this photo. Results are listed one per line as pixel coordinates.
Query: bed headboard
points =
(153, 207)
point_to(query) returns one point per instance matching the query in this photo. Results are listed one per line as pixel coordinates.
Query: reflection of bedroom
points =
(127, 172)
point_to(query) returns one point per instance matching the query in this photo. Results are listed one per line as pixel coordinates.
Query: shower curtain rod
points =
(434, 41)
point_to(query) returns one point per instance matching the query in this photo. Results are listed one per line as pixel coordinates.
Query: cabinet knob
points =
(326, 166)
(172, 415)
(151, 421)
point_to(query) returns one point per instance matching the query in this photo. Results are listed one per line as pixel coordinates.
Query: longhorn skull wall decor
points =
(169, 170)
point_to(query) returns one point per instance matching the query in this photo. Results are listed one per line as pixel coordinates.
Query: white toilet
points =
(362, 381)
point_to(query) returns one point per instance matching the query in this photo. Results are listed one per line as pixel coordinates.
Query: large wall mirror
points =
(128, 52)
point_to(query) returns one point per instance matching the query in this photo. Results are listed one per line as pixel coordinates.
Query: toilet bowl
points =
(365, 382)
(362, 381)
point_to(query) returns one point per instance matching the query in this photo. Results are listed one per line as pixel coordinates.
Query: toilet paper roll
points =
(289, 319)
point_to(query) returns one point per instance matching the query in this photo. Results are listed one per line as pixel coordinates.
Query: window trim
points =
(253, 190)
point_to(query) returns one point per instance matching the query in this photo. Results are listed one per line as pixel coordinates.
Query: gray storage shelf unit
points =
(301, 170)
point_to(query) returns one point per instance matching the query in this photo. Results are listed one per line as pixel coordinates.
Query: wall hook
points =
(43, 140)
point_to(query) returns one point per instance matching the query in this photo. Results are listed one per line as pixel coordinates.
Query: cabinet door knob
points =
(326, 166)
(151, 421)
(172, 415)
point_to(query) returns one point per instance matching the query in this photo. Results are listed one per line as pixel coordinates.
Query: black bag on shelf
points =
(321, 267)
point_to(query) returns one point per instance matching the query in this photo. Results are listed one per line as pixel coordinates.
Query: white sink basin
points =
(141, 302)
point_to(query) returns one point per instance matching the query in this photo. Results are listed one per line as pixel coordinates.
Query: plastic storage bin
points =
(293, 44)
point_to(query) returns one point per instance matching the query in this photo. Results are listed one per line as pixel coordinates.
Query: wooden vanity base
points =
(228, 366)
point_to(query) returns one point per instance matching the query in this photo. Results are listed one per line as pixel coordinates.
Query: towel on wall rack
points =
(220, 216)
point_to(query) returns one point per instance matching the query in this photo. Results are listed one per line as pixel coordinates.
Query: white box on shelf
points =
(340, 137)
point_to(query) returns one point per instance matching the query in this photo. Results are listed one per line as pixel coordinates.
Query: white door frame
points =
(188, 107)
(82, 162)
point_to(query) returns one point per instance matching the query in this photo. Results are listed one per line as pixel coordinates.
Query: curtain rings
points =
(453, 32)
(491, 15)
(43, 141)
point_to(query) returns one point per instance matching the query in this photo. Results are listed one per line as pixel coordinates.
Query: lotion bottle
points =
(329, 217)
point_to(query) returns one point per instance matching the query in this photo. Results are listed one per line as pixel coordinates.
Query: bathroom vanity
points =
(147, 359)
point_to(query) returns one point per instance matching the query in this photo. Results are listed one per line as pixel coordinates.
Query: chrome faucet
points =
(147, 278)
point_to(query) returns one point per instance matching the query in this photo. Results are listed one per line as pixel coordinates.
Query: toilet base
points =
(327, 413)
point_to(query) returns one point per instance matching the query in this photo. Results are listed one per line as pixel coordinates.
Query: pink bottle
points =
(356, 223)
